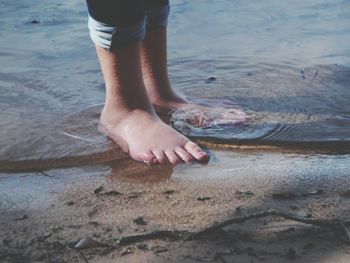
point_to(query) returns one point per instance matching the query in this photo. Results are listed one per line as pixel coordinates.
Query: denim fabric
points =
(157, 16)
(116, 23)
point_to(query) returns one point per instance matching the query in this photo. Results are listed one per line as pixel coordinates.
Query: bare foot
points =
(147, 139)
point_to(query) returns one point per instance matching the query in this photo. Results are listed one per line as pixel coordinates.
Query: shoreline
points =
(44, 217)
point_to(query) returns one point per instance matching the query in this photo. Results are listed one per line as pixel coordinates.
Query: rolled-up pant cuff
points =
(112, 37)
(157, 16)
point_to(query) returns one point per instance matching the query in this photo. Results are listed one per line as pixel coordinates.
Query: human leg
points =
(154, 57)
(128, 117)
(155, 74)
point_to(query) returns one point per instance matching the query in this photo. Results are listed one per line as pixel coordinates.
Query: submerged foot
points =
(201, 116)
(147, 139)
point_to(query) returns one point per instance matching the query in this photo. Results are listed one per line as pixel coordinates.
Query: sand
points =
(45, 214)
(287, 66)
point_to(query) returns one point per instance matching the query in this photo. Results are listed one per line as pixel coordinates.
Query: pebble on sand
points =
(140, 221)
(88, 242)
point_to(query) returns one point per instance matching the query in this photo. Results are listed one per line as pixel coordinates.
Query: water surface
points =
(286, 64)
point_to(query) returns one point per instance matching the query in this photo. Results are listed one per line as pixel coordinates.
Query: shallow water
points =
(262, 174)
(286, 64)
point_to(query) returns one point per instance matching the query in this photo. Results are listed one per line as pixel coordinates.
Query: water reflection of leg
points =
(128, 171)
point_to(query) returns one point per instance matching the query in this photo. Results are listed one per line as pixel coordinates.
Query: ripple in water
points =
(287, 106)
(46, 89)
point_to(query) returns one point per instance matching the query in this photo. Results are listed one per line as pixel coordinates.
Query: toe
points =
(147, 158)
(196, 151)
(161, 158)
(172, 157)
(185, 156)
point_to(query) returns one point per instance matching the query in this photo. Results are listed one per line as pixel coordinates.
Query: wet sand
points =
(45, 214)
(61, 181)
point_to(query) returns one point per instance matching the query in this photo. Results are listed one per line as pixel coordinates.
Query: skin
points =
(160, 92)
(155, 72)
(137, 83)
(128, 117)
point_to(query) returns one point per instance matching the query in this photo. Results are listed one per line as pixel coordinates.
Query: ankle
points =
(112, 114)
(158, 87)
(164, 100)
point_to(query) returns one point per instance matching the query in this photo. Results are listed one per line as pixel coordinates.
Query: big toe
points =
(196, 152)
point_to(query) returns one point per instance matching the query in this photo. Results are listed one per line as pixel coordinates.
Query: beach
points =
(276, 189)
(138, 213)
